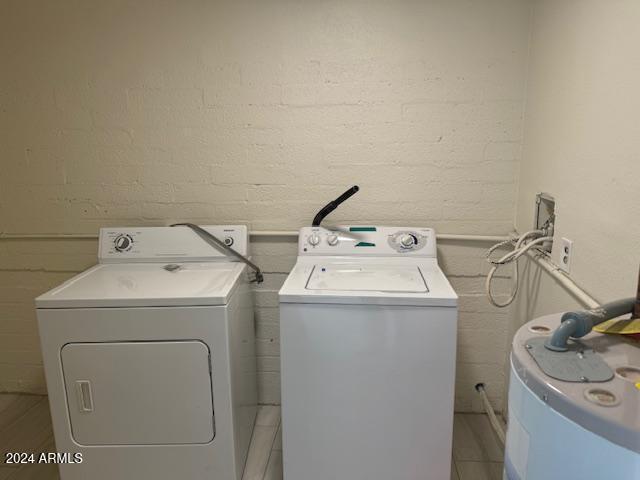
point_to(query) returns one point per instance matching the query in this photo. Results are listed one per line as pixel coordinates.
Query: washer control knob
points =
(123, 243)
(407, 240)
(332, 240)
(314, 239)
(228, 241)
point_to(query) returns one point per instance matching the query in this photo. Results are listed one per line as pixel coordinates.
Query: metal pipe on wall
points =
(542, 259)
(537, 256)
(48, 236)
(253, 233)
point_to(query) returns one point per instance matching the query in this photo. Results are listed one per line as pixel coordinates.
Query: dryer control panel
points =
(356, 240)
(168, 244)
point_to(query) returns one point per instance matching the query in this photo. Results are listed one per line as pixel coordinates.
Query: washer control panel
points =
(367, 240)
(164, 244)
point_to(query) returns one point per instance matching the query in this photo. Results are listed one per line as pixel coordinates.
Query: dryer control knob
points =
(123, 243)
(228, 241)
(332, 240)
(314, 239)
(407, 241)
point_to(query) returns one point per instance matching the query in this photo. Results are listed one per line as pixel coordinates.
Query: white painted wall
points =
(582, 145)
(148, 112)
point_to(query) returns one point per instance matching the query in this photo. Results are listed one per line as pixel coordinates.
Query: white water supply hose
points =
(512, 257)
(498, 426)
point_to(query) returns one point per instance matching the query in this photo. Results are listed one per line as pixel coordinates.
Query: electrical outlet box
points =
(544, 217)
(564, 255)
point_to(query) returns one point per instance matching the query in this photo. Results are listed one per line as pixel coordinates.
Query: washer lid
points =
(374, 281)
(367, 278)
(147, 285)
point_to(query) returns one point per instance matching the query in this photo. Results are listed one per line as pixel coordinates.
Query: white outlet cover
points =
(564, 255)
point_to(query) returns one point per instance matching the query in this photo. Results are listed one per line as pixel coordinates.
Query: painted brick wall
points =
(255, 112)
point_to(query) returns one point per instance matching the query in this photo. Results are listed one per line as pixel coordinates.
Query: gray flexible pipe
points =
(216, 243)
(578, 324)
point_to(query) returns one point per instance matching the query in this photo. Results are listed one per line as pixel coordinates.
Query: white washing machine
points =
(368, 344)
(150, 358)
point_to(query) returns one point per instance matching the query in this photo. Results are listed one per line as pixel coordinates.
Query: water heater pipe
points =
(580, 323)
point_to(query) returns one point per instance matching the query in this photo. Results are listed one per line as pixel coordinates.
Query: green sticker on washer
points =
(362, 229)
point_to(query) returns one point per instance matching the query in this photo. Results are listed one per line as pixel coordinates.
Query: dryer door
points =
(139, 393)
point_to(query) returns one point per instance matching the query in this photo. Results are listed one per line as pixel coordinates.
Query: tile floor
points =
(25, 426)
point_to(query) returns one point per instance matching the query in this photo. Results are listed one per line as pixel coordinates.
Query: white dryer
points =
(150, 358)
(368, 344)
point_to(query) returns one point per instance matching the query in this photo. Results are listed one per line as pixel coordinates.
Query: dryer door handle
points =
(85, 397)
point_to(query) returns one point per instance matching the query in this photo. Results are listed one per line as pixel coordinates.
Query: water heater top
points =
(607, 408)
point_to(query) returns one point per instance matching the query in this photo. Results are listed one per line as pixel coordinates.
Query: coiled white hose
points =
(512, 257)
